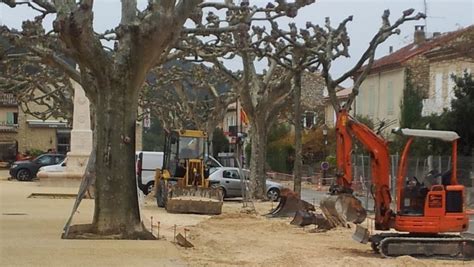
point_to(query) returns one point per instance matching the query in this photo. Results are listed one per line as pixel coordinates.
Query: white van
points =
(146, 164)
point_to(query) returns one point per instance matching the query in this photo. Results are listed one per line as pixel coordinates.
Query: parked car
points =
(26, 170)
(229, 181)
(61, 167)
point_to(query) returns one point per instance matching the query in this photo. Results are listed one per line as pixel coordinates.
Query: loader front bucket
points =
(343, 208)
(195, 200)
(289, 204)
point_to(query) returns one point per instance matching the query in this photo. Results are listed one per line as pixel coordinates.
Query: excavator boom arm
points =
(346, 129)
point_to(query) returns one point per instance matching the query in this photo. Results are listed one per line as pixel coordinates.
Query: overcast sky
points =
(443, 16)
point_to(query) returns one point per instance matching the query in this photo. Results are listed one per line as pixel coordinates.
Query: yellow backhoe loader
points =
(181, 186)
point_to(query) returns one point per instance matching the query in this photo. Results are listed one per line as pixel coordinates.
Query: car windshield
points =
(213, 170)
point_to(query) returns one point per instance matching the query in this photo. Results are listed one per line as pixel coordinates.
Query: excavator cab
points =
(182, 184)
(434, 203)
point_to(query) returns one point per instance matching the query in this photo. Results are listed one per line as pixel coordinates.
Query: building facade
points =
(28, 132)
(423, 64)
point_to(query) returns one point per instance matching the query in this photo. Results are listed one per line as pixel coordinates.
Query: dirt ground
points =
(237, 238)
(32, 237)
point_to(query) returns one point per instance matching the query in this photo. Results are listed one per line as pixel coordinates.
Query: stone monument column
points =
(81, 134)
(81, 143)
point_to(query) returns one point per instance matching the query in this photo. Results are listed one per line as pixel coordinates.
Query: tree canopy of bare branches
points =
(111, 78)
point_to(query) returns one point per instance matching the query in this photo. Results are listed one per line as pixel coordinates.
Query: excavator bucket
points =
(343, 208)
(361, 234)
(303, 218)
(289, 204)
(195, 200)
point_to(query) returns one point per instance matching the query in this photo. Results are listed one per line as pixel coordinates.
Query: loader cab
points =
(185, 151)
(429, 202)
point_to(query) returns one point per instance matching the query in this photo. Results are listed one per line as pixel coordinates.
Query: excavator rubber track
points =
(441, 247)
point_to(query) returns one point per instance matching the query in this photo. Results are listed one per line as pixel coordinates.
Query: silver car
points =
(229, 181)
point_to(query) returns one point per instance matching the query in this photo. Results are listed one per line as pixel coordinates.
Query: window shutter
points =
(10, 118)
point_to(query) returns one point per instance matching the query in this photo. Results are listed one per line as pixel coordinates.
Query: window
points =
(12, 118)
(45, 160)
(390, 106)
(232, 174)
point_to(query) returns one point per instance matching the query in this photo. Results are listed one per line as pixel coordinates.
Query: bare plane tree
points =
(331, 52)
(188, 97)
(236, 36)
(316, 47)
(111, 78)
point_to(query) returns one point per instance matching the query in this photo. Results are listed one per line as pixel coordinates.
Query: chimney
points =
(390, 49)
(419, 36)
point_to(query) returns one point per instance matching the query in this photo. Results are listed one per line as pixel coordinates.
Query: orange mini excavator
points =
(427, 220)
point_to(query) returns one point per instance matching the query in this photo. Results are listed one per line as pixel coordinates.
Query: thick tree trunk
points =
(298, 147)
(116, 202)
(258, 158)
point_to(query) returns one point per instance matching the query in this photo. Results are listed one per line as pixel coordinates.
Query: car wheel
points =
(273, 194)
(161, 194)
(149, 188)
(23, 175)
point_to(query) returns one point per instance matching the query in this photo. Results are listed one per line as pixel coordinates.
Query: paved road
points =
(314, 197)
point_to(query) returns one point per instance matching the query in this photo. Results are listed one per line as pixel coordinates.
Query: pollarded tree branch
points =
(330, 43)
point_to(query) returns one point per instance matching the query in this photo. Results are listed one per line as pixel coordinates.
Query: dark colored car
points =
(27, 169)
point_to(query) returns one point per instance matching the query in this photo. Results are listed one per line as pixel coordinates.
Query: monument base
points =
(77, 162)
(75, 167)
(60, 179)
